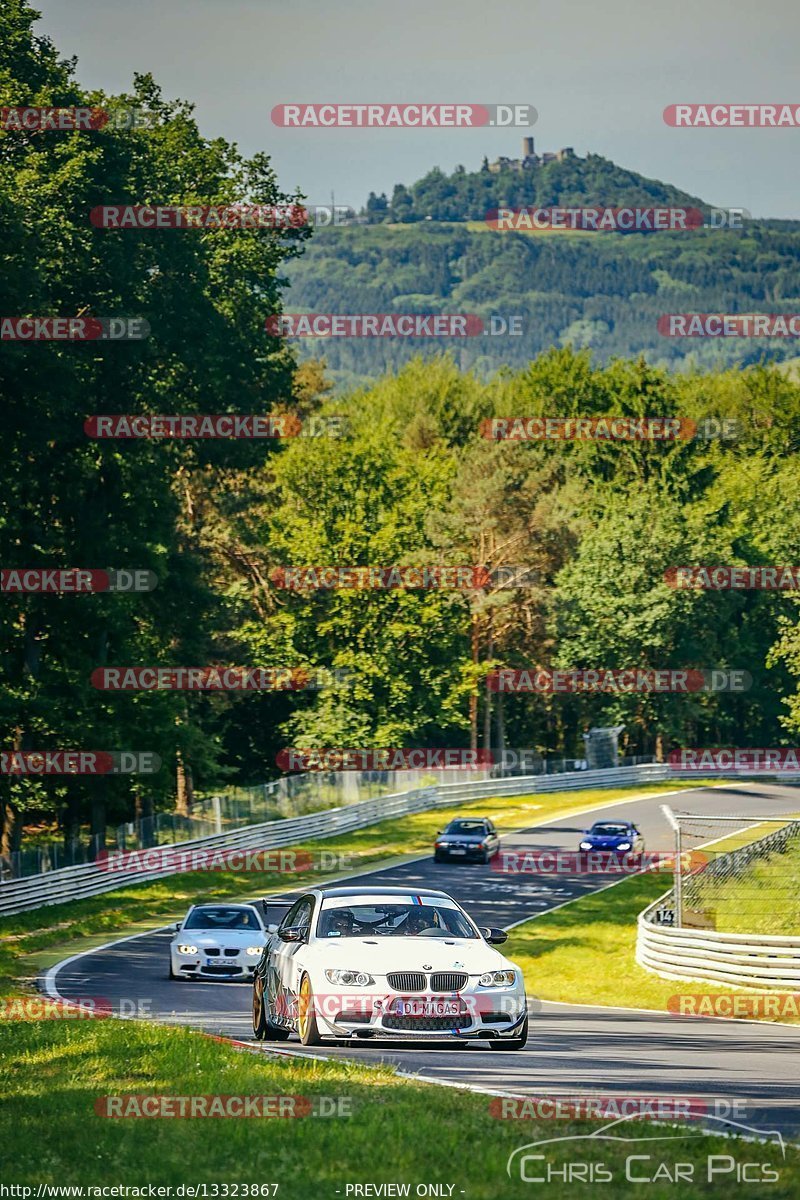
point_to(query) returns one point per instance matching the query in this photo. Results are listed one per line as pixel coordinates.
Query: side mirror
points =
(178, 925)
(272, 929)
(495, 937)
(294, 933)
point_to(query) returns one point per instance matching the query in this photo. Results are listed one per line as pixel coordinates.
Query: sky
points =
(599, 76)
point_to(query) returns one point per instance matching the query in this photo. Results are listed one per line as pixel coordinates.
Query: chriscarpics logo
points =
(649, 1158)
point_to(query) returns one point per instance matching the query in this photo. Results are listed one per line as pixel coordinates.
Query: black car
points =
(472, 839)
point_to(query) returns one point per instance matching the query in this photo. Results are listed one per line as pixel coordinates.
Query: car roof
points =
(367, 890)
(223, 904)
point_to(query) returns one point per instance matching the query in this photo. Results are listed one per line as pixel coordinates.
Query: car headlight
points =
(586, 845)
(187, 949)
(350, 978)
(253, 951)
(442, 843)
(498, 979)
(624, 846)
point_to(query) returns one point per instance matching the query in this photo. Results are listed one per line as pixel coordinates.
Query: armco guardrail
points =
(89, 879)
(742, 959)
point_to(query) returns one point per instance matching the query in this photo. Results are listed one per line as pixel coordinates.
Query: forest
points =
(399, 472)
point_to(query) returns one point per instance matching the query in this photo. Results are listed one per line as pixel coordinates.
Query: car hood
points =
(409, 954)
(462, 837)
(220, 937)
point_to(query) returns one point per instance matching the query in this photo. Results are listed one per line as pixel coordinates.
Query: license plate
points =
(428, 1008)
(458, 852)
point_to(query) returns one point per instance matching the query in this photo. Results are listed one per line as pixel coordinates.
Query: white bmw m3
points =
(386, 962)
(217, 941)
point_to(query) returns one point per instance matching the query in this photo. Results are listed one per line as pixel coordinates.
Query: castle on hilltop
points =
(530, 158)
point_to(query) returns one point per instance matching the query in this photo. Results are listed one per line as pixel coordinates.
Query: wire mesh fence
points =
(735, 873)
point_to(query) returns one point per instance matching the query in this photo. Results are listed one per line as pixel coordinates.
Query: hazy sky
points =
(598, 74)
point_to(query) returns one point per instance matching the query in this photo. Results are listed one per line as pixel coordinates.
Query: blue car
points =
(620, 837)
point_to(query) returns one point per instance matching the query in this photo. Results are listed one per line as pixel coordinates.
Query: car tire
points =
(263, 1029)
(172, 974)
(306, 1015)
(517, 1043)
(437, 858)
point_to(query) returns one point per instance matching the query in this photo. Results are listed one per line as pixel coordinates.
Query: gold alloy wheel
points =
(303, 1007)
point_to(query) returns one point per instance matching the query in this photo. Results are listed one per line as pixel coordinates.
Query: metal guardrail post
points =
(677, 873)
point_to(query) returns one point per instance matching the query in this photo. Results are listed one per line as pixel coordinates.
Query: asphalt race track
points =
(572, 1050)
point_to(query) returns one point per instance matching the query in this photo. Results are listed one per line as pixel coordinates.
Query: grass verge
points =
(397, 1131)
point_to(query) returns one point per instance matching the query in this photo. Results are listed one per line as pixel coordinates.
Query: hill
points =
(568, 181)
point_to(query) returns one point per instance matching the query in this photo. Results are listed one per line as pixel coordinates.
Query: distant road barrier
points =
(89, 879)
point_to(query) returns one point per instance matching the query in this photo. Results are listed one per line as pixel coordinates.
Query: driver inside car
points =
(419, 921)
(340, 923)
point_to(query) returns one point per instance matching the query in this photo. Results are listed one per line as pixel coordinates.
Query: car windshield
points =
(390, 919)
(222, 918)
(610, 830)
(466, 827)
